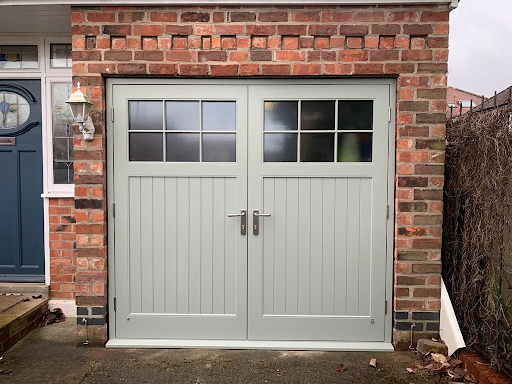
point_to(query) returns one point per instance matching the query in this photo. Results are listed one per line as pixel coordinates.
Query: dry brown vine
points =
(477, 243)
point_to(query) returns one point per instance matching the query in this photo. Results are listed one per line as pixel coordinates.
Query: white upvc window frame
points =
(52, 189)
(52, 75)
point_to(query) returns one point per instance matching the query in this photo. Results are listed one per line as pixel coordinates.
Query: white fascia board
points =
(453, 3)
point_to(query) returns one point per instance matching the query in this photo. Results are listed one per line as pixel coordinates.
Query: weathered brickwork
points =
(62, 248)
(406, 42)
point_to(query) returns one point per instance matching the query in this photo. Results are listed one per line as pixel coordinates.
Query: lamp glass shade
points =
(80, 106)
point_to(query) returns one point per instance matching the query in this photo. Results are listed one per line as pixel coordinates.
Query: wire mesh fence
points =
(477, 229)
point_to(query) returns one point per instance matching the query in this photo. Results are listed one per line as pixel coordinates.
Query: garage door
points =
(250, 211)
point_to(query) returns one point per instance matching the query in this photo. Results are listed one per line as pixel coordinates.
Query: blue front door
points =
(21, 182)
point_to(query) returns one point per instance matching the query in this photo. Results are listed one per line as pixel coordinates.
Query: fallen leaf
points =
(469, 377)
(410, 370)
(455, 362)
(341, 368)
(437, 357)
(373, 363)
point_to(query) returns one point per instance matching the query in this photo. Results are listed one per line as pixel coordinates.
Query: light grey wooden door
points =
(180, 167)
(318, 165)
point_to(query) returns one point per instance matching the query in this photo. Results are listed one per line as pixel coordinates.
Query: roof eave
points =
(453, 3)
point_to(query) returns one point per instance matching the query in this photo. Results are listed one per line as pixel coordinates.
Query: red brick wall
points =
(62, 248)
(407, 42)
(455, 95)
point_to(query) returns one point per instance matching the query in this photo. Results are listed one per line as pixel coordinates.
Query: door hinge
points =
(112, 114)
(115, 304)
(114, 210)
(387, 211)
(389, 115)
(385, 307)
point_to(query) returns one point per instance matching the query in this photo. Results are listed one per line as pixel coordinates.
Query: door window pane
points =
(60, 56)
(182, 147)
(63, 173)
(316, 115)
(280, 147)
(18, 57)
(281, 116)
(14, 110)
(62, 121)
(182, 115)
(355, 115)
(219, 115)
(317, 147)
(145, 115)
(355, 147)
(146, 146)
(219, 147)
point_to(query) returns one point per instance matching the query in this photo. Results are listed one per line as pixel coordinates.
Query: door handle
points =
(256, 221)
(243, 220)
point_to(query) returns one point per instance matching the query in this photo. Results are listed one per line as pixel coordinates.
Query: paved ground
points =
(52, 355)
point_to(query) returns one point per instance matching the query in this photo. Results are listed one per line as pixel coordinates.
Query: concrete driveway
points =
(54, 355)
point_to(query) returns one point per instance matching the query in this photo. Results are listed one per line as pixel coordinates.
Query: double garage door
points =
(249, 212)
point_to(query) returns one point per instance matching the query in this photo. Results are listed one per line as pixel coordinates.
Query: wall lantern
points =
(80, 106)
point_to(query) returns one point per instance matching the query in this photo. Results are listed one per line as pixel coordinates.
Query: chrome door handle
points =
(256, 221)
(243, 220)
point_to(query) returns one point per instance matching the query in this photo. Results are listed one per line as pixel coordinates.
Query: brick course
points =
(407, 42)
(62, 248)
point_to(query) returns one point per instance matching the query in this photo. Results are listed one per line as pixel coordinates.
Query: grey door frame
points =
(387, 307)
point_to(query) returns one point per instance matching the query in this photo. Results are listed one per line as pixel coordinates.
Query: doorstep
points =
(28, 289)
(16, 322)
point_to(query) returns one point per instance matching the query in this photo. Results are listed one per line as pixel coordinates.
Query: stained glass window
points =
(18, 57)
(62, 134)
(14, 110)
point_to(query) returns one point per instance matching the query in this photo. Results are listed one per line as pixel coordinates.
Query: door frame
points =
(159, 343)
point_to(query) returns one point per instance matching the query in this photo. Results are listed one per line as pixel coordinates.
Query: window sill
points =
(52, 195)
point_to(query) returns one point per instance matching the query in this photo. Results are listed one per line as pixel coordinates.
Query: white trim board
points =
(453, 3)
(254, 344)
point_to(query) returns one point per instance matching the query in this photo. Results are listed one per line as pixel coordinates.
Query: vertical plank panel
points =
(304, 245)
(231, 236)
(171, 245)
(219, 211)
(340, 233)
(194, 261)
(292, 235)
(206, 245)
(279, 219)
(353, 247)
(146, 222)
(183, 243)
(268, 246)
(158, 245)
(135, 245)
(316, 247)
(328, 246)
(365, 229)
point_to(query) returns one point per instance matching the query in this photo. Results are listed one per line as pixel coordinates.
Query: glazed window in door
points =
(318, 131)
(14, 110)
(182, 131)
